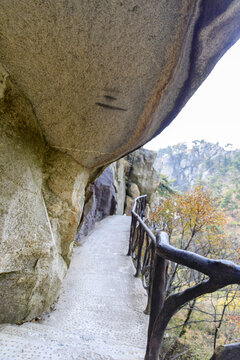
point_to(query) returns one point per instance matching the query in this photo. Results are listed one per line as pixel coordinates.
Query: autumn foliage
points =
(192, 219)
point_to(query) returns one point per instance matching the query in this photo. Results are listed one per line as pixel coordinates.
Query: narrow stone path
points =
(99, 315)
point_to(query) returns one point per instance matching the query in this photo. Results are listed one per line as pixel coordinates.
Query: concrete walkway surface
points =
(99, 315)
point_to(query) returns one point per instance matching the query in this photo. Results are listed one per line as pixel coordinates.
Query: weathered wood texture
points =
(227, 352)
(221, 273)
(151, 256)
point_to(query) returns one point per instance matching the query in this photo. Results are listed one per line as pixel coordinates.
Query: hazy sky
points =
(213, 113)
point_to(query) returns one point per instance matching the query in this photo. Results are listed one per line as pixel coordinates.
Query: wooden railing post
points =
(158, 294)
(151, 256)
(132, 234)
(227, 352)
(139, 250)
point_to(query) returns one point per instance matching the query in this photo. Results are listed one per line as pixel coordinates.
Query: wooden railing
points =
(151, 255)
(142, 244)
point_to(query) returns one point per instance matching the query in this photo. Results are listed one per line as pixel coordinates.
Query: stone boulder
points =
(142, 171)
(42, 195)
(142, 178)
(132, 193)
(129, 202)
(133, 190)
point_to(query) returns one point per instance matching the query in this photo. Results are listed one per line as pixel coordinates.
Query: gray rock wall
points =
(42, 194)
(142, 178)
(64, 192)
(142, 171)
(118, 168)
(107, 197)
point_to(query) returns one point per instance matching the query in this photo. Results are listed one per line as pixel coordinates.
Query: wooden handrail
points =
(142, 243)
(151, 255)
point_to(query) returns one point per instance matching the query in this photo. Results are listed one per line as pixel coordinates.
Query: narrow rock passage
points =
(99, 315)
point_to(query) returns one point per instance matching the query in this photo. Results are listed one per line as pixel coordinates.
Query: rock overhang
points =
(105, 77)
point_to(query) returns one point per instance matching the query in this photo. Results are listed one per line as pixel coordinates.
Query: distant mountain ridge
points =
(209, 163)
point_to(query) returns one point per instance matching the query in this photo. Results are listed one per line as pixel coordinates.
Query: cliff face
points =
(42, 195)
(142, 172)
(106, 197)
(81, 85)
(142, 178)
(205, 162)
(215, 167)
(116, 188)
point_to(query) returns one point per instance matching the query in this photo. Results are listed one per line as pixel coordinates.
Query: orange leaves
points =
(164, 215)
(192, 215)
(233, 326)
(199, 214)
(235, 319)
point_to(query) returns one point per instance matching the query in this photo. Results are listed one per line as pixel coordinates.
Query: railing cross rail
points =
(151, 255)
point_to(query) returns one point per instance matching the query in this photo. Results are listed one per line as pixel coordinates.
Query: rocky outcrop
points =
(133, 190)
(89, 84)
(104, 79)
(116, 188)
(204, 162)
(106, 197)
(142, 178)
(119, 172)
(102, 202)
(64, 193)
(142, 172)
(41, 199)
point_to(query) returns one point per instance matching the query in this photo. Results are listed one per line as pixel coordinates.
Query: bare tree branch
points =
(220, 272)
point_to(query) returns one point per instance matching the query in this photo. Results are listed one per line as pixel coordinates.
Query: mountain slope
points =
(205, 162)
(214, 166)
